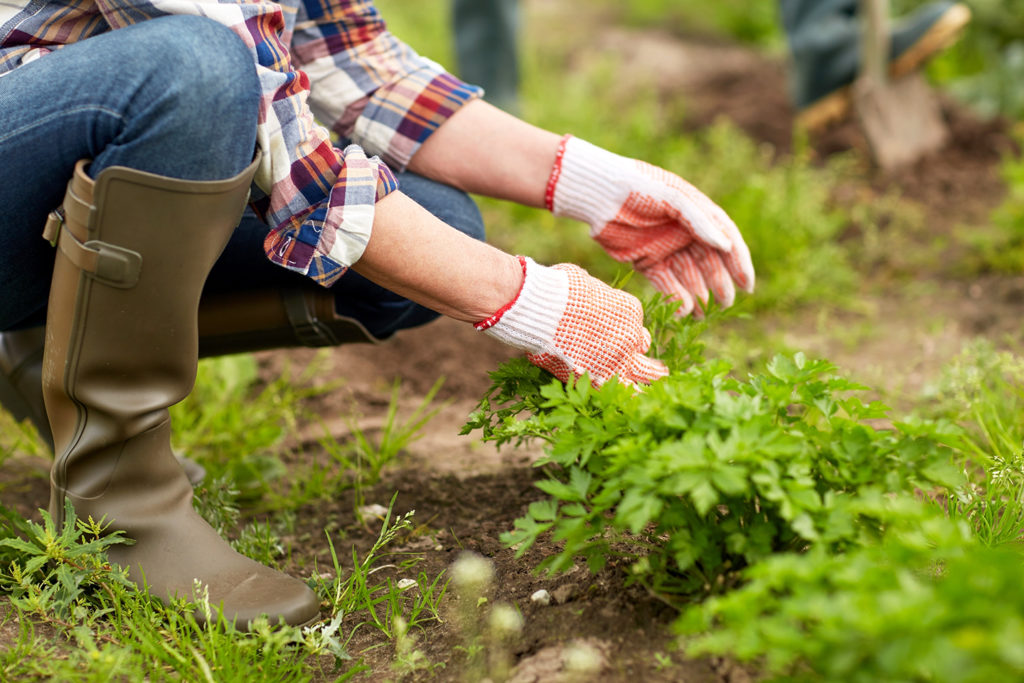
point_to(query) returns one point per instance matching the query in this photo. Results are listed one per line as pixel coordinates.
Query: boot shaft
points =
(133, 253)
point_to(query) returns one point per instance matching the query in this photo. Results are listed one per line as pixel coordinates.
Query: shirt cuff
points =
(324, 242)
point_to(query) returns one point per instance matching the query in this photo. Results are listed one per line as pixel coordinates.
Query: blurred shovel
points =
(900, 117)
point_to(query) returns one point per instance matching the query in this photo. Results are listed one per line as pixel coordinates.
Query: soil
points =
(465, 493)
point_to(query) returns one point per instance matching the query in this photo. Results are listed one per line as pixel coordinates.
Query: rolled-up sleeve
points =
(319, 201)
(368, 86)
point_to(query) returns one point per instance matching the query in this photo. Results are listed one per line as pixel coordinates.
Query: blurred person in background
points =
(486, 48)
(824, 38)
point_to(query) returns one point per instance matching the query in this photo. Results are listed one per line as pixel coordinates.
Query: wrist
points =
(586, 182)
(530, 320)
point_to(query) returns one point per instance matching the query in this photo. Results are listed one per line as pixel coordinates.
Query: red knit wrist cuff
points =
(556, 171)
(493, 320)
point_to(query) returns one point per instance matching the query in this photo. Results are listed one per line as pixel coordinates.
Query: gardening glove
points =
(668, 230)
(570, 323)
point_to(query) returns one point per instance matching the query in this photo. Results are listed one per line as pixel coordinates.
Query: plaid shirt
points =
(371, 89)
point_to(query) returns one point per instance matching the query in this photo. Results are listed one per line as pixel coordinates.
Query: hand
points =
(668, 230)
(570, 323)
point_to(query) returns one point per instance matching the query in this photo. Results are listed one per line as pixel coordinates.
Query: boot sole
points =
(943, 33)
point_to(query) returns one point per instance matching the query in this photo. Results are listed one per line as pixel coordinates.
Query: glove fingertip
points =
(748, 286)
(647, 370)
(715, 237)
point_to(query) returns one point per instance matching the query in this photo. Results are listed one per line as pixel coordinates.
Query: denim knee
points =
(212, 71)
(196, 110)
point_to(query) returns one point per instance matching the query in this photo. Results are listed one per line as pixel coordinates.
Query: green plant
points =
(999, 244)
(756, 23)
(360, 461)
(372, 455)
(64, 580)
(19, 437)
(380, 604)
(984, 65)
(983, 390)
(58, 574)
(487, 630)
(927, 603)
(703, 474)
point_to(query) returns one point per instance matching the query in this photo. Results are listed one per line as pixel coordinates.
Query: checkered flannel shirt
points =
(334, 59)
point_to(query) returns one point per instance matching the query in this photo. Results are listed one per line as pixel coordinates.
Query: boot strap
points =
(108, 263)
(310, 326)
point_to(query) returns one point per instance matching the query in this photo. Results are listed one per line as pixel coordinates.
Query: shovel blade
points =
(901, 119)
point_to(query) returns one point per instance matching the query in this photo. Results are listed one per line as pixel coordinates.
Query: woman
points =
(168, 117)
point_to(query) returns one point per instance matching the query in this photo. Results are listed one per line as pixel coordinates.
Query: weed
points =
(998, 245)
(384, 602)
(362, 459)
(371, 456)
(64, 580)
(487, 630)
(983, 390)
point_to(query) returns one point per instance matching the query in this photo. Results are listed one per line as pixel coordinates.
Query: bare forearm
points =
(414, 254)
(486, 151)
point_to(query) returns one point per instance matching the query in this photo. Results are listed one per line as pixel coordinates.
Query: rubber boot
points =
(238, 322)
(243, 322)
(121, 346)
(21, 388)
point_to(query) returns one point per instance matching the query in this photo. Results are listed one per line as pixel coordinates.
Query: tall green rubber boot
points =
(134, 250)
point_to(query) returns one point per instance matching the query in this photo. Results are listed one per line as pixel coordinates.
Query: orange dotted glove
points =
(684, 243)
(570, 323)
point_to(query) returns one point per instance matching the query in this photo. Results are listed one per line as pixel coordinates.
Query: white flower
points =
(583, 657)
(506, 619)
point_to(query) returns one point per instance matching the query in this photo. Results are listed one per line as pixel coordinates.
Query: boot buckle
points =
(107, 263)
(54, 222)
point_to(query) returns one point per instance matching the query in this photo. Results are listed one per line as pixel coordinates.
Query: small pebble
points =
(542, 597)
(404, 584)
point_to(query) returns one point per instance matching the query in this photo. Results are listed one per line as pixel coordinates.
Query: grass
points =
(62, 583)
(67, 601)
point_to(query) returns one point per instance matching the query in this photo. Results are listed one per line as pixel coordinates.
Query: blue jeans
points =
(115, 99)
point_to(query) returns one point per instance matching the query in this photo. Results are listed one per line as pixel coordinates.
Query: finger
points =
(737, 260)
(715, 275)
(707, 220)
(663, 279)
(685, 268)
(703, 224)
(644, 370)
(740, 266)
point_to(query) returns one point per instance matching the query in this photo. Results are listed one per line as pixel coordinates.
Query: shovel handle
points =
(875, 40)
